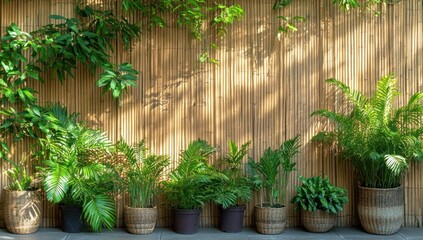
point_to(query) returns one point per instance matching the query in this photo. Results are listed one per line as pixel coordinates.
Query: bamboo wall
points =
(264, 89)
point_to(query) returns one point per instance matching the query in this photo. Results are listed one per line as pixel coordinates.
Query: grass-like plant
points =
(379, 140)
(318, 193)
(271, 172)
(192, 183)
(236, 188)
(141, 172)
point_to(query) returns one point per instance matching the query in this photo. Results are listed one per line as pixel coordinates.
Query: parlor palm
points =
(377, 138)
(74, 173)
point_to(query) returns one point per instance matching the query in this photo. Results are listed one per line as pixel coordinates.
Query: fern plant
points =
(141, 172)
(192, 183)
(318, 193)
(236, 188)
(379, 140)
(271, 173)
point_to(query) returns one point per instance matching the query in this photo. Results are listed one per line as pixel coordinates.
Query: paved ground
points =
(214, 234)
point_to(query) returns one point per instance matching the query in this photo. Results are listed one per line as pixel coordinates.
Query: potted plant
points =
(380, 142)
(139, 177)
(76, 176)
(271, 175)
(22, 205)
(319, 202)
(232, 192)
(190, 185)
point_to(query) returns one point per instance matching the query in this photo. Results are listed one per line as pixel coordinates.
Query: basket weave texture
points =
(22, 211)
(270, 220)
(319, 221)
(140, 220)
(381, 210)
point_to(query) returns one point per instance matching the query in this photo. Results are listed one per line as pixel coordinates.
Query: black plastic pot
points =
(71, 219)
(232, 219)
(185, 221)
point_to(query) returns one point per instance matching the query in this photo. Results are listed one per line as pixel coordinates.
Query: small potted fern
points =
(319, 202)
(233, 192)
(270, 175)
(140, 174)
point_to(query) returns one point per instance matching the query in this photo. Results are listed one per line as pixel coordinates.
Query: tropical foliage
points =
(379, 140)
(74, 172)
(236, 188)
(192, 183)
(318, 193)
(140, 173)
(271, 172)
(18, 176)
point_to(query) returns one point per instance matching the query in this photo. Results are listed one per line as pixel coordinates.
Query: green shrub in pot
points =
(271, 175)
(140, 172)
(235, 190)
(317, 193)
(380, 141)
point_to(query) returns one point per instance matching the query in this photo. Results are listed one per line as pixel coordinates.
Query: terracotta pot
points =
(232, 219)
(185, 221)
(22, 211)
(140, 220)
(270, 220)
(319, 221)
(381, 210)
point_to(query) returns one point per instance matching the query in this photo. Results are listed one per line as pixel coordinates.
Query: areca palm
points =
(74, 177)
(378, 139)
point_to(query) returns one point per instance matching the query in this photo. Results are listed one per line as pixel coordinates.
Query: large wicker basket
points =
(270, 220)
(140, 220)
(22, 211)
(319, 221)
(381, 210)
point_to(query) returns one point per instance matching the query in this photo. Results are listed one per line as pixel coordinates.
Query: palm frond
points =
(56, 184)
(396, 163)
(99, 210)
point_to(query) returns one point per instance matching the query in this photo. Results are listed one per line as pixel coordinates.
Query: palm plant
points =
(379, 140)
(74, 173)
(191, 183)
(271, 173)
(236, 188)
(140, 173)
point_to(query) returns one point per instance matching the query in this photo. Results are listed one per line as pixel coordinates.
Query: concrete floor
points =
(213, 234)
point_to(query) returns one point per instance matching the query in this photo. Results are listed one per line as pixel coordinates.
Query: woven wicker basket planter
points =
(319, 221)
(22, 211)
(140, 220)
(270, 220)
(381, 210)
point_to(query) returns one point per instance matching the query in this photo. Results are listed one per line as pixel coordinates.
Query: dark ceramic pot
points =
(232, 219)
(185, 221)
(71, 219)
